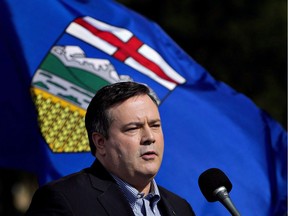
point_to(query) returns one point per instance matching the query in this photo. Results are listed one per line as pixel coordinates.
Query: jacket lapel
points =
(165, 207)
(115, 203)
(111, 198)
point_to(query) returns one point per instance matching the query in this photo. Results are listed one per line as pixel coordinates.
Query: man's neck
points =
(145, 189)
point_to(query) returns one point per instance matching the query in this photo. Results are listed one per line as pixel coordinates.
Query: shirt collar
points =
(132, 194)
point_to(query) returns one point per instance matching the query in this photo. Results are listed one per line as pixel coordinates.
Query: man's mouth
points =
(149, 155)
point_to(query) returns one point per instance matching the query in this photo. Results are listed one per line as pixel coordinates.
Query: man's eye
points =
(156, 125)
(131, 129)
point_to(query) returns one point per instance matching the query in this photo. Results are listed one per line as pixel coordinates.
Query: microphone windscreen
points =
(212, 179)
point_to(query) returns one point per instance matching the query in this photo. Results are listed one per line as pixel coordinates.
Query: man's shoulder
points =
(74, 189)
(95, 177)
(68, 182)
(78, 193)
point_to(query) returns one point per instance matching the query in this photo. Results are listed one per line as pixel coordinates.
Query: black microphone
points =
(215, 186)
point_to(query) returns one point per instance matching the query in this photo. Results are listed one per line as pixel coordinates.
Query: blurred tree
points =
(240, 42)
(16, 190)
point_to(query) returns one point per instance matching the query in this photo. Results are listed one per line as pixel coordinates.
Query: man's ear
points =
(99, 142)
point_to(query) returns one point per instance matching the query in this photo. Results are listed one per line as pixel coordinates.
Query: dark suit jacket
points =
(93, 192)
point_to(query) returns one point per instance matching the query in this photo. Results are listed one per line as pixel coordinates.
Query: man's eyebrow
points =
(154, 121)
(133, 123)
(142, 123)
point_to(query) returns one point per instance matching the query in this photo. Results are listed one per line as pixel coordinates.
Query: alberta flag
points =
(56, 54)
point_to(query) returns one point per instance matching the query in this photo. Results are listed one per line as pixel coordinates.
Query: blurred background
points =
(240, 42)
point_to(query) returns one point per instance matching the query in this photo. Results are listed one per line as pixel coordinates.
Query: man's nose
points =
(147, 136)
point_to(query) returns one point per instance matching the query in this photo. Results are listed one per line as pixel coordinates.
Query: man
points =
(125, 135)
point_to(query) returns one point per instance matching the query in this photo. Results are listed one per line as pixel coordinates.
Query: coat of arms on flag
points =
(68, 77)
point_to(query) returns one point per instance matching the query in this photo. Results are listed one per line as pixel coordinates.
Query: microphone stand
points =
(224, 198)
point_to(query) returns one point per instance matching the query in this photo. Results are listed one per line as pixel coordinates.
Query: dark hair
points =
(97, 118)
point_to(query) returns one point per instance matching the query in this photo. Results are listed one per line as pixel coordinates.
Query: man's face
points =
(134, 149)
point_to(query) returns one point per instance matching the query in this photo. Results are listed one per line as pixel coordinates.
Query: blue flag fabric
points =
(62, 51)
